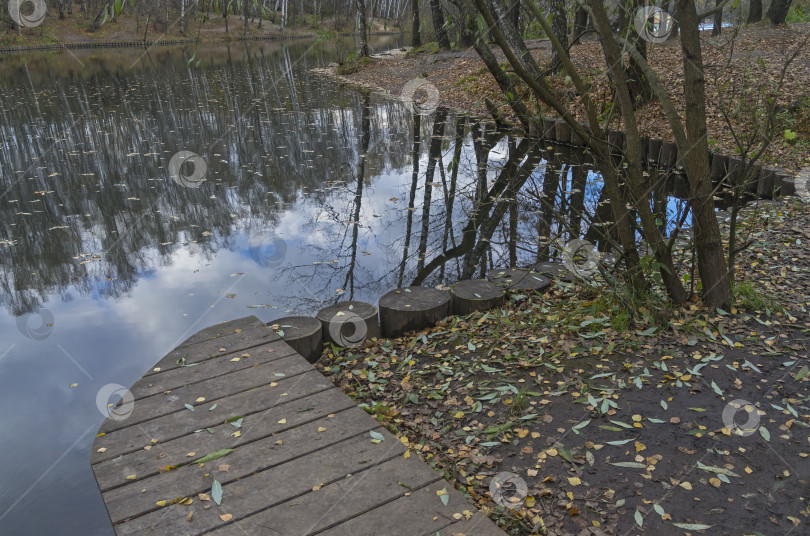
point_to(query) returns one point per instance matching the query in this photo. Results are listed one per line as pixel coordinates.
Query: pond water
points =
(299, 192)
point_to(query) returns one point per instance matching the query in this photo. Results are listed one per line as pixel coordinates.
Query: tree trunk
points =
(416, 39)
(61, 4)
(438, 24)
(640, 90)
(778, 11)
(711, 261)
(361, 13)
(718, 19)
(514, 13)
(559, 24)
(580, 22)
(755, 11)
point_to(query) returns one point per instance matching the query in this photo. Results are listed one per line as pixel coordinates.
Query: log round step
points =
(473, 295)
(410, 308)
(303, 333)
(349, 323)
(519, 279)
(554, 270)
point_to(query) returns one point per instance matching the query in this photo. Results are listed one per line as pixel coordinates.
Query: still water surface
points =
(312, 192)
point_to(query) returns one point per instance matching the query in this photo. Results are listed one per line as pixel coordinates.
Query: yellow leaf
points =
(74, 384)
(321, 429)
(459, 415)
(102, 449)
(161, 503)
(203, 496)
(714, 481)
(200, 399)
(530, 501)
(226, 517)
(685, 485)
(235, 359)
(522, 433)
(640, 446)
(237, 433)
(190, 454)
(283, 421)
(636, 418)
(131, 477)
(407, 454)
(574, 480)
(748, 470)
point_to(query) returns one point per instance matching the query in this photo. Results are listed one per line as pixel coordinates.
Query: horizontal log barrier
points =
(767, 182)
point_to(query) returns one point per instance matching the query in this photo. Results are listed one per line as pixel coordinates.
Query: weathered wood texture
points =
(302, 459)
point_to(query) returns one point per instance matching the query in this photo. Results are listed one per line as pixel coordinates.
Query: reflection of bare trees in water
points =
(85, 201)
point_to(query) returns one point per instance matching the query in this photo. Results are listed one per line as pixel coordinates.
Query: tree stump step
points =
(554, 270)
(519, 279)
(411, 308)
(303, 333)
(349, 323)
(473, 295)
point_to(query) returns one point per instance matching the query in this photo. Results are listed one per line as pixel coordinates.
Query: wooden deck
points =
(303, 460)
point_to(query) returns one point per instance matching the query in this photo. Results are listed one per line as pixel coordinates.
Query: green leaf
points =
(216, 492)
(376, 436)
(692, 526)
(212, 408)
(659, 509)
(189, 407)
(631, 465)
(577, 427)
(664, 404)
(803, 372)
(445, 497)
(639, 518)
(620, 442)
(214, 455)
(470, 346)
(766, 435)
(717, 389)
(237, 423)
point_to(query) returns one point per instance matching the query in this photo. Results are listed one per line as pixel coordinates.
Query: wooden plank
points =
(187, 481)
(212, 390)
(172, 379)
(267, 488)
(222, 329)
(477, 525)
(420, 513)
(145, 463)
(338, 502)
(198, 352)
(185, 422)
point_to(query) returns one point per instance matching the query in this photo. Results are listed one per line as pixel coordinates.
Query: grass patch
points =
(746, 295)
(353, 65)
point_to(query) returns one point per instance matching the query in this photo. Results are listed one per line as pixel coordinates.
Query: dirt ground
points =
(741, 69)
(673, 421)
